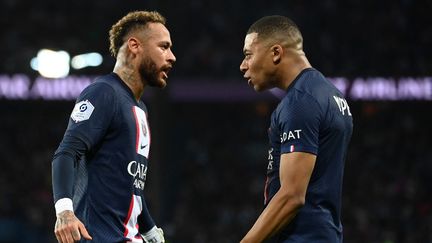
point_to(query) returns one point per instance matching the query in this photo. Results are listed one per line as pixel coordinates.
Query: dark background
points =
(208, 158)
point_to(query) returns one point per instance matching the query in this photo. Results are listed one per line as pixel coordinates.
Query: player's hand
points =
(69, 229)
(155, 235)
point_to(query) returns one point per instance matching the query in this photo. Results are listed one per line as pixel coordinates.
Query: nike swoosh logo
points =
(142, 147)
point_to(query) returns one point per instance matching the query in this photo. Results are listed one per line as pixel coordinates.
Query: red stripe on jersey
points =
(138, 236)
(149, 132)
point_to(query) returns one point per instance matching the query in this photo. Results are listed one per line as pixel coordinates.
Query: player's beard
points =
(150, 73)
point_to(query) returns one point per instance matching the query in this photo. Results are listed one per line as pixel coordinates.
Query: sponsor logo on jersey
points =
(139, 172)
(270, 159)
(343, 105)
(82, 111)
(290, 135)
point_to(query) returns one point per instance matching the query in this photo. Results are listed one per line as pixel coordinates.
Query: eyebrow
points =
(165, 43)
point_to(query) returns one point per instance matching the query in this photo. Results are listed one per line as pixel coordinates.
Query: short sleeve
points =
(92, 114)
(299, 122)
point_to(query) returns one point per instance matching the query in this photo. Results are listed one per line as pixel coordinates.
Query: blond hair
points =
(131, 22)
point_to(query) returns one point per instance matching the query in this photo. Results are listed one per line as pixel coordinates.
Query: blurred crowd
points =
(388, 183)
(342, 38)
(209, 183)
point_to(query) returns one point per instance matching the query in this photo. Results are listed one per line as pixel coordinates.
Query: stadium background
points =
(209, 142)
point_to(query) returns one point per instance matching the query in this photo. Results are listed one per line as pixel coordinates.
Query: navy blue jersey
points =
(109, 180)
(313, 117)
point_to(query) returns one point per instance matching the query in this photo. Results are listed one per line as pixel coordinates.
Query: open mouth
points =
(165, 71)
(249, 81)
(164, 75)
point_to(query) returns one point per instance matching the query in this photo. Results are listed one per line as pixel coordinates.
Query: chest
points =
(133, 129)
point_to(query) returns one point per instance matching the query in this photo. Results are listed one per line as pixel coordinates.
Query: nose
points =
(243, 66)
(171, 57)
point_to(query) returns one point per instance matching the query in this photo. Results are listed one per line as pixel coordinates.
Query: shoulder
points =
(101, 85)
(298, 100)
(303, 96)
(100, 93)
(105, 82)
(317, 85)
(312, 88)
(298, 105)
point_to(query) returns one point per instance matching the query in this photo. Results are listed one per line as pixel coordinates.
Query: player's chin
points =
(163, 78)
(158, 82)
(259, 88)
(162, 82)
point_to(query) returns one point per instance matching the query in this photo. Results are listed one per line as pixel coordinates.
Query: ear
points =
(133, 45)
(277, 52)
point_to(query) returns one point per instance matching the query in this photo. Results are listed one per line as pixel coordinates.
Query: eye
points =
(165, 46)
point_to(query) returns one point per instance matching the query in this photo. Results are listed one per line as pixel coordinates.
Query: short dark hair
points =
(277, 28)
(128, 23)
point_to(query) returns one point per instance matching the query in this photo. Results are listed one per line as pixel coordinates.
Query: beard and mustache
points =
(149, 72)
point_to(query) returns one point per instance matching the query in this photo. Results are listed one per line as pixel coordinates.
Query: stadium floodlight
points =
(92, 59)
(51, 64)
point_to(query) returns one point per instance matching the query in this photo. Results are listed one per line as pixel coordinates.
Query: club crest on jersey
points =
(142, 132)
(143, 128)
(82, 111)
(286, 136)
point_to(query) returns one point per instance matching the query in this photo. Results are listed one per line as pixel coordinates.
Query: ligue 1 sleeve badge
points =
(82, 111)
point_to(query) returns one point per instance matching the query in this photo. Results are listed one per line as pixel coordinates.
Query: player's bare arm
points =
(295, 172)
(69, 228)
